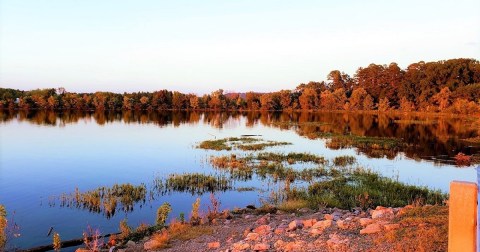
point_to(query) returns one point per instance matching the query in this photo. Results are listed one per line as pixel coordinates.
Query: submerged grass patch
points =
(242, 143)
(196, 183)
(105, 199)
(344, 160)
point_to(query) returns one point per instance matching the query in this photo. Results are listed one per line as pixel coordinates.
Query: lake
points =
(44, 155)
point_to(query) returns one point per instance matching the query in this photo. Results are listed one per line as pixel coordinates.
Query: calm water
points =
(45, 154)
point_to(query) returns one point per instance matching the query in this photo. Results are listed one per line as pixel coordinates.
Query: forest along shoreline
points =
(418, 87)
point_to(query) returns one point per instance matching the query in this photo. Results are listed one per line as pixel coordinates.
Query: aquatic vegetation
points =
(196, 183)
(343, 191)
(213, 209)
(57, 243)
(3, 226)
(344, 160)
(246, 189)
(291, 158)
(162, 213)
(363, 142)
(242, 143)
(195, 214)
(105, 199)
(125, 229)
(272, 165)
(93, 239)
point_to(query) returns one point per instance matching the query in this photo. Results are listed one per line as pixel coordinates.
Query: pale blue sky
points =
(200, 46)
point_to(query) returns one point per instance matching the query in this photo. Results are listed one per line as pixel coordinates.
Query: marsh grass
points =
(241, 143)
(105, 199)
(196, 183)
(344, 160)
(343, 191)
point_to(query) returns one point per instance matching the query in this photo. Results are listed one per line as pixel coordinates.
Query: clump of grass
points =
(160, 240)
(106, 199)
(260, 146)
(57, 243)
(292, 205)
(363, 142)
(344, 160)
(342, 191)
(213, 209)
(162, 213)
(242, 143)
(423, 228)
(195, 214)
(246, 189)
(3, 226)
(92, 239)
(196, 183)
(125, 229)
(291, 158)
(218, 145)
(227, 161)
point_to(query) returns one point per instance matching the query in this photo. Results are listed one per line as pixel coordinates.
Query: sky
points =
(202, 46)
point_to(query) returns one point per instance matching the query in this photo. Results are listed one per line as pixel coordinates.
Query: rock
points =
(241, 245)
(309, 223)
(261, 247)
(252, 237)
(322, 224)
(130, 244)
(263, 221)
(305, 210)
(371, 229)
(213, 245)
(248, 216)
(389, 227)
(83, 250)
(279, 244)
(338, 214)
(382, 212)
(263, 229)
(365, 221)
(294, 225)
(293, 246)
(316, 231)
(342, 224)
(149, 245)
(335, 242)
(328, 217)
(281, 229)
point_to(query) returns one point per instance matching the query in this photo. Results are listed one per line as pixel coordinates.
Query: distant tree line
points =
(443, 86)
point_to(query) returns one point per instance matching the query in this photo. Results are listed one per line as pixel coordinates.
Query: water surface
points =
(44, 154)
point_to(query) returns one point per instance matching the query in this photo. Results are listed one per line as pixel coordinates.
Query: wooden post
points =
(462, 219)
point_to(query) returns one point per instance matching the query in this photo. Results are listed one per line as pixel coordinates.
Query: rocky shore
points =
(383, 228)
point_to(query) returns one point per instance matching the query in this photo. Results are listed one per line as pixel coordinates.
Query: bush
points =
(162, 213)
